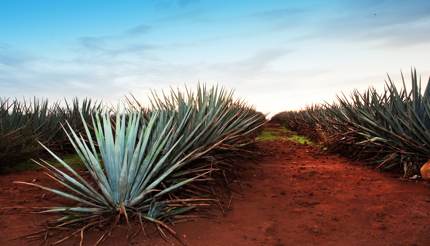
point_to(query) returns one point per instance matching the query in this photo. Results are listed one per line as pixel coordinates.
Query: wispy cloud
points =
(11, 57)
(93, 43)
(100, 43)
(252, 65)
(127, 42)
(102, 48)
(138, 30)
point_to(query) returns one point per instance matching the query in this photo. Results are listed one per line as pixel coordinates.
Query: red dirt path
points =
(293, 196)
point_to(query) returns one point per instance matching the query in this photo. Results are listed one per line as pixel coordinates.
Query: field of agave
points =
(23, 123)
(141, 165)
(389, 130)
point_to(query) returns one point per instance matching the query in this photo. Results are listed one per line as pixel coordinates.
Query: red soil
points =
(294, 196)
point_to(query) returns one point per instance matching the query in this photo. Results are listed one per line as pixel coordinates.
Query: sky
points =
(277, 55)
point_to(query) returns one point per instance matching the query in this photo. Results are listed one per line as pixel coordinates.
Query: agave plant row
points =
(23, 123)
(390, 130)
(151, 164)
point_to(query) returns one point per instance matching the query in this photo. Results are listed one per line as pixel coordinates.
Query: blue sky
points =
(276, 54)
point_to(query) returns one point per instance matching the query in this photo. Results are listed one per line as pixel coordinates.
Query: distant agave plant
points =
(24, 122)
(213, 113)
(21, 122)
(389, 130)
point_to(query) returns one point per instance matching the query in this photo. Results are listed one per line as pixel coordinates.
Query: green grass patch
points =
(283, 134)
(268, 136)
(300, 139)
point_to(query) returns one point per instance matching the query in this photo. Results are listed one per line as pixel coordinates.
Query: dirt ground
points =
(295, 195)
